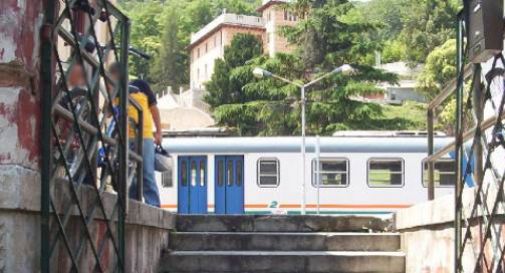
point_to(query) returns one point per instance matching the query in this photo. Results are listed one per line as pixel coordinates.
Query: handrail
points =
(486, 124)
(449, 88)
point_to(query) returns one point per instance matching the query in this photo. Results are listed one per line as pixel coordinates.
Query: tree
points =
(409, 29)
(428, 24)
(169, 67)
(271, 107)
(225, 86)
(145, 32)
(439, 69)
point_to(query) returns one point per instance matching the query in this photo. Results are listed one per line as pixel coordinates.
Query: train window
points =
(333, 172)
(193, 173)
(184, 173)
(166, 179)
(202, 173)
(268, 172)
(239, 173)
(230, 173)
(445, 173)
(220, 173)
(385, 172)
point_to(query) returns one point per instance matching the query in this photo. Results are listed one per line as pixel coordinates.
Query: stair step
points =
(273, 241)
(278, 223)
(283, 262)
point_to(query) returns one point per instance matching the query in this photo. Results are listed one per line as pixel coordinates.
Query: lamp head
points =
(345, 70)
(261, 73)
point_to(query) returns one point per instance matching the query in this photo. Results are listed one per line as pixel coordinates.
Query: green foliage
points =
(429, 24)
(326, 40)
(225, 86)
(439, 69)
(408, 29)
(169, 67)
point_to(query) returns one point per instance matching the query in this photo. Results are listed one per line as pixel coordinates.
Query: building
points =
(405, 90)
(208, 43)
(178, 109)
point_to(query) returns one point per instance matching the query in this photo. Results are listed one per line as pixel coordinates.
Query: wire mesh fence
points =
(85, 136)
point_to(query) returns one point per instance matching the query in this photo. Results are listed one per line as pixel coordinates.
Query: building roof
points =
(226, 19)
(185, 118)
(229, 145)
(267, 3)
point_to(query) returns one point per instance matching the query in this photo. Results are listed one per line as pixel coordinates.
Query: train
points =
(344, 175)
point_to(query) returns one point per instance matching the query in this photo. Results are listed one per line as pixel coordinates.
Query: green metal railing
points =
(76, 127)
(479, 140)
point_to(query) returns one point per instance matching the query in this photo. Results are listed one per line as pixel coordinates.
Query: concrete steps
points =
(282, 244)
(278, 223)
(278, 241)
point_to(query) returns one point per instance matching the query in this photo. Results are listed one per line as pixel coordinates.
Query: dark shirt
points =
(144, 87)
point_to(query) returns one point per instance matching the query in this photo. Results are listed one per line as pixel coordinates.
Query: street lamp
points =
(262, 73)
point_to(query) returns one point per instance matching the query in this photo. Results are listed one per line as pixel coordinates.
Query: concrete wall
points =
(147, 229)
(427, 232)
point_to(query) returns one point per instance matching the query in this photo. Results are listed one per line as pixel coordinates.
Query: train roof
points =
(227, 145)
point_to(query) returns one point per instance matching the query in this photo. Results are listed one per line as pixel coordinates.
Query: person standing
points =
(147, 100)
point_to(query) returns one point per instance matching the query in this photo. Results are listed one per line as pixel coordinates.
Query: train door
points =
(229, 180)
(192, 185)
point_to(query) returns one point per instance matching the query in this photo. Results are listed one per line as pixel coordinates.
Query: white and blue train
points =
(262, 175)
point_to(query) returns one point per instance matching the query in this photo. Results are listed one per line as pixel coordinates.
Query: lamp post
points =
(262, 73)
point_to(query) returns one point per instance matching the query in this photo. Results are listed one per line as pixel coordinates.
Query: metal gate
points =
(84, 137)
(479, 148)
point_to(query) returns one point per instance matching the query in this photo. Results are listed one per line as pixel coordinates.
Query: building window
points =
(333, 172)
(445, 173)
(206, 47)
(198, 73)
(285, 15)
(268, 172)
(198, 53)
(166, 179)
(206, 75)
(385, 172)
(269, 16)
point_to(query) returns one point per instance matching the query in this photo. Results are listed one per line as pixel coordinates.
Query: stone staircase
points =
(282, 244)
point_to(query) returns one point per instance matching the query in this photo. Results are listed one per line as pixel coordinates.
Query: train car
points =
(372, 175)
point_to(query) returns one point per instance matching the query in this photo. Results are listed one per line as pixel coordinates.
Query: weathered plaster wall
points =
(20, 21)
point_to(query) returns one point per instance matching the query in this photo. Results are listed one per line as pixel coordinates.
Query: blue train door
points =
(192, 185)
(229, 180)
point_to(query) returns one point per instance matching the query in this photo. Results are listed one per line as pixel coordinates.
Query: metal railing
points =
(479, 141)
(75, 129)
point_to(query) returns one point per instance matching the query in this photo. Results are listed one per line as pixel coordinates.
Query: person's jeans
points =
(151, 192)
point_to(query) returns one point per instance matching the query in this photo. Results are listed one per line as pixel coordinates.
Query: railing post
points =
(458, 154)
(124, 147)
(46, 151)
(479, 115)
(431, 164)
(140, 150)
